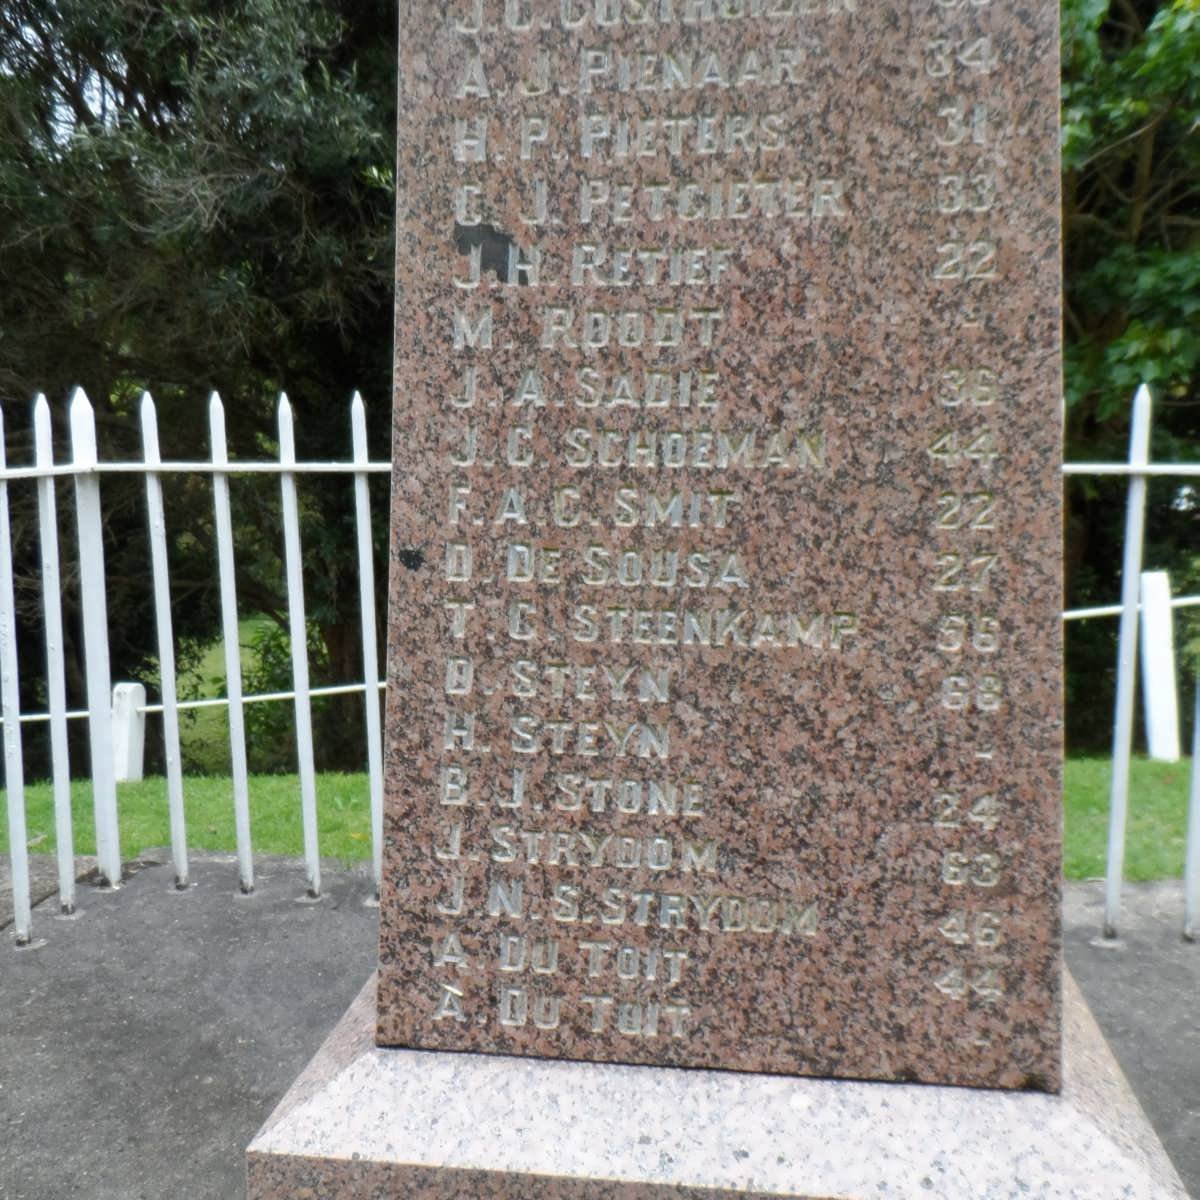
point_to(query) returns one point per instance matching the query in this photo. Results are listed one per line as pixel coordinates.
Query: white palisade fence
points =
(1138, 469)
(116, 716)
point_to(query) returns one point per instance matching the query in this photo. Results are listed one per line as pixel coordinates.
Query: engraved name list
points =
(720, 731)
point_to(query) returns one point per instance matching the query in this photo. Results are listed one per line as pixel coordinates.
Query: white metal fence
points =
(1138, 469)
(116, 716)
(87, 472)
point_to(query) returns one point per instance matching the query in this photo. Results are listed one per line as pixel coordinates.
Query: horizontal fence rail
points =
(1115, 610)
(341, 689)
(116, 739)
(234, 467)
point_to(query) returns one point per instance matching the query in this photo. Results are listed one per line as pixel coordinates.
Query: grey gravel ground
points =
(145, 1042)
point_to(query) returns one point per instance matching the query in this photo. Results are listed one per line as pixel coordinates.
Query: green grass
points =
(1154, 849)
(204, 732)
(1157, 823)
(343, 810)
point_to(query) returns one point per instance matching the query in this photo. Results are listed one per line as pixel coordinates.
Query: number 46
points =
(981, 929)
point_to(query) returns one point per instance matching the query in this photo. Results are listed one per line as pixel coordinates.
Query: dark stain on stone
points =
(494, 245)
(412, 559)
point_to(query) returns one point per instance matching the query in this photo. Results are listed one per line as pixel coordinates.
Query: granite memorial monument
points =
(724, 697)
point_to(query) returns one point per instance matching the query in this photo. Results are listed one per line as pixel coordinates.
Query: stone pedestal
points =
(364, 1122)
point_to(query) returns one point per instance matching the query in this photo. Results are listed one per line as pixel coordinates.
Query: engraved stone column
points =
(725, 603)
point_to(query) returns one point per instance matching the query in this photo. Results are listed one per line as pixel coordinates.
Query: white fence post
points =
(95, 635)
(129, 731)
(56, 676)
(157, 523)
(223, 530)
(366, 592)
(1135, 522)
(1160, 702)
(10, 704)
(298, 630)
(1191, 857)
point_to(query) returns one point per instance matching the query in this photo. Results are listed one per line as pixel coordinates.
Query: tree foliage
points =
(197, 194)
(193, 191)
(1131, 184)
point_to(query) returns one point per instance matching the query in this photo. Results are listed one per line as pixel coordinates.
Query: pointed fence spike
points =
(287, 431)
(93, 603)
(159, 568)
(297, 629)
(366, 584)
(1127, 639)
(83, 430)
(43, 434)
(43, 451)
(227, 576)
(10, 703)
(56, 688)
(216, 430)
(149, 415)
(358, 428)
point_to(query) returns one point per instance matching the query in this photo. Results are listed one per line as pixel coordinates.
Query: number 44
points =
(950, 447)
(958, 985)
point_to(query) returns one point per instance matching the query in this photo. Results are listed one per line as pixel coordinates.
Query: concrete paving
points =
(144, 1043)
(43, 880)
(1144, 991)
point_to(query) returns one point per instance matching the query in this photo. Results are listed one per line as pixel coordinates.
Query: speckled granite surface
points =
(724, 668)
(365, 1122)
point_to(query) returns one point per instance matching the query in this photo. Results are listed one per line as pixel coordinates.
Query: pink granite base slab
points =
(366, 1123)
